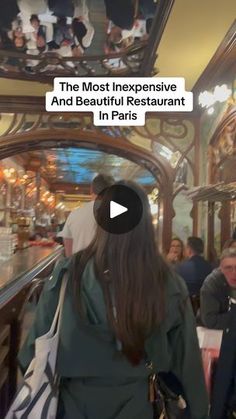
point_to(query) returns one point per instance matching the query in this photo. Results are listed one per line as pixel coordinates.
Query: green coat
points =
(97, 382)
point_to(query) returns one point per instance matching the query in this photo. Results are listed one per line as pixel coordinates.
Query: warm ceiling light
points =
(154, 209)
(206, 99)
(220, 94)
(10, 175)
(211, 110)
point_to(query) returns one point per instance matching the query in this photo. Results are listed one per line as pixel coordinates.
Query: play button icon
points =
(118, 209)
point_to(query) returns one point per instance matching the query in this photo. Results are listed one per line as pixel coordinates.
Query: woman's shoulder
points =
(177, 300)
(62, 266)
(175, 286)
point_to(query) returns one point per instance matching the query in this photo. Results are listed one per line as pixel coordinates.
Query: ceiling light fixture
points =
(211, 110)
(208, 99)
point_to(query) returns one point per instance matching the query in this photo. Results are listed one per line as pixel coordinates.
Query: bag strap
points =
(136, 8)
(56, 323)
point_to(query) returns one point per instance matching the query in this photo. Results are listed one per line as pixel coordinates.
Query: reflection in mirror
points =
(38, 184)
(72, 29)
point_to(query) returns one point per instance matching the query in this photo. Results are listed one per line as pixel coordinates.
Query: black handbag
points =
(166, 404)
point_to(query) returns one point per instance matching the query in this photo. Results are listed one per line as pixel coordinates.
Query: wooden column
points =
(168, 214)
(195, 209)
(224, 216)
(8, 205)
(210, 232)
(37, 203)
(23, 191)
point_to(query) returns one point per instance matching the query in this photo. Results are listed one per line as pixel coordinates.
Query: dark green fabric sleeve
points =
(186, 360)
(210, 310)
(44, 314)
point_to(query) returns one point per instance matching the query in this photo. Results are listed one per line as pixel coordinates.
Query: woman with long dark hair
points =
(124, 310)
(176, 252)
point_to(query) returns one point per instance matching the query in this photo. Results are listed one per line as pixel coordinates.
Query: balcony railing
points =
(136, 60)
(44, 67)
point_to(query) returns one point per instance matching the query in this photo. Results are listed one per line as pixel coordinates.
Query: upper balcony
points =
(41, 40)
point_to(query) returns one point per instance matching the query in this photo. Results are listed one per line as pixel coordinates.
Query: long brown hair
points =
(132, 275)
(177, 239)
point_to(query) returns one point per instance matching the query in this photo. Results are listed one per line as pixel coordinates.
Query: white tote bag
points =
(38, 397)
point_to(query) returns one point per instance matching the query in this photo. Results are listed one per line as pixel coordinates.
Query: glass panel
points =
(74, 165)
(182, 222)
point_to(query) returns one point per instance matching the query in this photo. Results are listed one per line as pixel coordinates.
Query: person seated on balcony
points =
(115, 64)
(27, 9)
(124, 37)
(124, 12)
(118, 40)
(176, 252)
(5, 41)
(128, 18)
(81, 17)
(62, 33)
(61, 8)
(217, 290)
(79, 31)
(19, 40)
(62, 42)
(195, 268)
(9, 12)
(42, 32)
(121, 13)
(72, 43)
(147, 8)
(32, 49)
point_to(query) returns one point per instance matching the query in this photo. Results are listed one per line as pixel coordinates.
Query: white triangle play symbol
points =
(116, 209)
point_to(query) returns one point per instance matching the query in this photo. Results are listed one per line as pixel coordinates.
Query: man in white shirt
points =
(80, 226)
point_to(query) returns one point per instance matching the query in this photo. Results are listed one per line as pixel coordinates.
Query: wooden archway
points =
(13, 144)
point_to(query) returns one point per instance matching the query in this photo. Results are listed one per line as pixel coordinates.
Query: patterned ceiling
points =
(74, 165)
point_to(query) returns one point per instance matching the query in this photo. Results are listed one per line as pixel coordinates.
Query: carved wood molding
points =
(28, 115)
(32, 128)
(36, 104)
(222, 65)
(228, 118)
(48, 138)
(222, 145)
(22, 104)
(170, 139)
(162, 14)
(52, 138)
